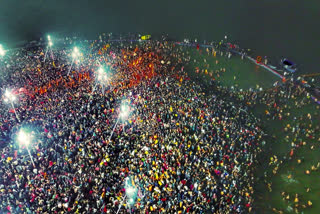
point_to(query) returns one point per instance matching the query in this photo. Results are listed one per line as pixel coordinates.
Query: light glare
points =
(124, 111)
(75, 52)
(24, 138)
(9, 95)
(130, 191)
(2, 51)
(100, 70)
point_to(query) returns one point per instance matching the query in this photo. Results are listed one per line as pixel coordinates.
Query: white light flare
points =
(2, 51)
(9, 96)
(24, 138)
(75, 53)
(130, 192)
(124, 111)
(102, 76)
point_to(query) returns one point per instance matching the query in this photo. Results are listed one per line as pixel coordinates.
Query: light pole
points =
(74, 55)
(114, 127)
(131, 194)
(50, 44)
(120, 205)
(25, 139)
(102, 77)
(10, 97)
(124, 112)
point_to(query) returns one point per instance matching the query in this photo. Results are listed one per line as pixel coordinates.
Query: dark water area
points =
(287, 28)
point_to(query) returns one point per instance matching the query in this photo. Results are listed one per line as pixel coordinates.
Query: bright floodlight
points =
(130, 191)
(75, 52)
(50, 43)
(74, 55)
(9, 95)
(100, 70)
(2, 51)
(24, 138)
(102, 76)
(49, 38)
(124, 111)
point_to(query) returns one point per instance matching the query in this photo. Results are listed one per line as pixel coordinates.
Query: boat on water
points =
(289, 65)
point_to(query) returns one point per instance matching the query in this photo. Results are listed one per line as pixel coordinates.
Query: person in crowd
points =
(184, 151)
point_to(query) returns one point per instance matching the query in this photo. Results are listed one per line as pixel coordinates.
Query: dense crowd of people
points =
(182, 150)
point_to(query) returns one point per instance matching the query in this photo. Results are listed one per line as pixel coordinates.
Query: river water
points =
(274, 28)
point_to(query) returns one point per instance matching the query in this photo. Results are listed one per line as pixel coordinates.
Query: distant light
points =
(49, 38)
(76, 50)
(2, 51)
(50, 43)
